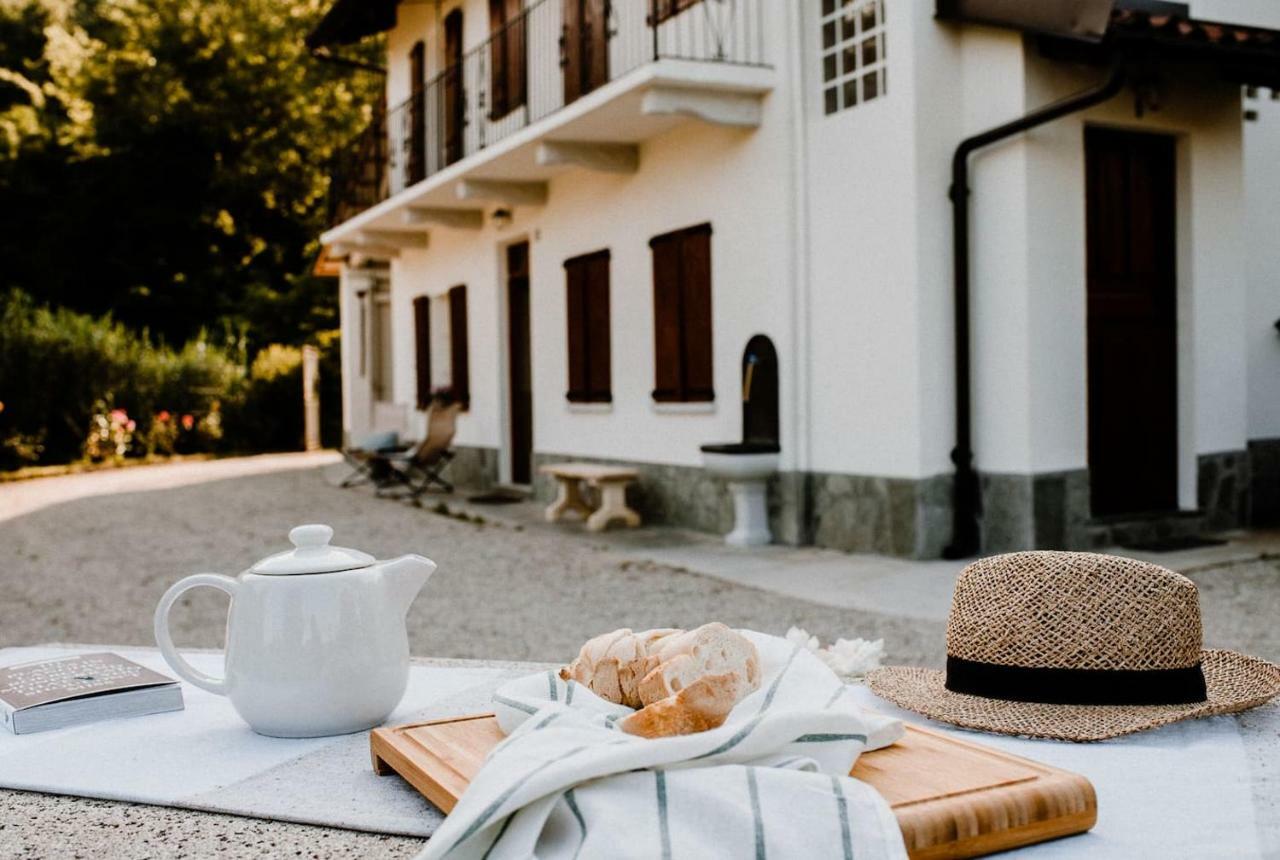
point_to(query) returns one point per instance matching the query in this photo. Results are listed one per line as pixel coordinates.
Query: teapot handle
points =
(171, 656)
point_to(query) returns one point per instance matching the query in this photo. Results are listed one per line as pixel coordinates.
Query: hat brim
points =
(1235, 682)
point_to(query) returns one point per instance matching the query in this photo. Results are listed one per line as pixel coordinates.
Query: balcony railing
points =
(552, 54)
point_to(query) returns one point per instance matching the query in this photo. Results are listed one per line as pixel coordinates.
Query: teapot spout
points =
(405, 577)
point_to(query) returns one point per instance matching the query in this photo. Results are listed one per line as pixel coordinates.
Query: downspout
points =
(966, 497)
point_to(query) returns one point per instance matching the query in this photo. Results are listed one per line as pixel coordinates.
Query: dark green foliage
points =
(167, 161)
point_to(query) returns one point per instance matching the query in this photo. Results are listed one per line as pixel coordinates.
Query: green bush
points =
(72, 385)
(60, 370)
(268, 414)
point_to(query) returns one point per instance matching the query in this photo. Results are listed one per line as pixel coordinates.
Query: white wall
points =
(1262, 252)
(859, 303)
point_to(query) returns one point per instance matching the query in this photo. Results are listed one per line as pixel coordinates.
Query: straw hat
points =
(1076, 646)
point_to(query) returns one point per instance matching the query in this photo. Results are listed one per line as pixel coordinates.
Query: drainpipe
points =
(966, 497)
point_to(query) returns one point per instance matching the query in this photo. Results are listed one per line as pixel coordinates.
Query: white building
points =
(589, 208)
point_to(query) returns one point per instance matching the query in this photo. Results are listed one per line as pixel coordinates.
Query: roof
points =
(1134, 29)
(350, 21)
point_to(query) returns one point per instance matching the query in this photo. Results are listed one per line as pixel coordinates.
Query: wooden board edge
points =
(1067, 805)
(388, 758)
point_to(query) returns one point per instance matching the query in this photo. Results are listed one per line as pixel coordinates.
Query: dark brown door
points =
(454, 102)
(416, 139)
(584, 46)
(1132, 336)
(520, 368)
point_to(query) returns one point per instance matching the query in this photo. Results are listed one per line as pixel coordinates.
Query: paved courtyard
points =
(87, 557)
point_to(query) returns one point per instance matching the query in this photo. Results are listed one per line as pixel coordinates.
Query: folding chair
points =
(420, 469)
(358, 455)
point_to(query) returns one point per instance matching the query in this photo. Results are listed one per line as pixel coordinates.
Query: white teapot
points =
(316, 640)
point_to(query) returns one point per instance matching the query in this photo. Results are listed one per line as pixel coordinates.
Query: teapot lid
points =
(312, 554)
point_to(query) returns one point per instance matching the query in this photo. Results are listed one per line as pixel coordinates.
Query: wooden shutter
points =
(422, 348)
(517, 34)
(666, 318)
(599, 371)
(461, 382)
(695, 283)
(595, 49)
(587, 292)
(417, 139)
(682, 316)
(498, 36)
(571, 49)
(575, 277)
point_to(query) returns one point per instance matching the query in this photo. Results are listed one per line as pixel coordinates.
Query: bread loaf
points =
(712, 649)
(683, 681)
(703, 704)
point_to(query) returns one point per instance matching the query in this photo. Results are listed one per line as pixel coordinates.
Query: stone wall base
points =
(912, 517)
(473, 467)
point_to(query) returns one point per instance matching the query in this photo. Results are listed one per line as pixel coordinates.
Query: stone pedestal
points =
(750, 514)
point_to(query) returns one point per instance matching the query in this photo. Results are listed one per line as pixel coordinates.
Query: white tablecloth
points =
(1199, 789)
(1184, 790)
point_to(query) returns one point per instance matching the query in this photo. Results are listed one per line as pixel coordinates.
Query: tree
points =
(167, 161)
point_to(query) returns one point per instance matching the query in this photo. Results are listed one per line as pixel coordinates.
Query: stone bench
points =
(612, 483)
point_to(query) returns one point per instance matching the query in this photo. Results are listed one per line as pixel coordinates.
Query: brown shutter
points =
(666, 318)
(599, 379)
(458, 344)
(498, 59)
(517, 30)
(595, 37)
(422, 348)
(417, 162)
(696, 304)
(575, 290)
(571, 49)
(587, 292)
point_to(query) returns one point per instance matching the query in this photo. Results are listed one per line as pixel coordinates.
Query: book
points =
(81, 688)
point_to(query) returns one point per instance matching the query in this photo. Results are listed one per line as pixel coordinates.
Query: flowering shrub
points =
(162, 435)
(110, 434)
(94, 375)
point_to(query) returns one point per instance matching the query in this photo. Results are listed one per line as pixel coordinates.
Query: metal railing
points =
(552, 54)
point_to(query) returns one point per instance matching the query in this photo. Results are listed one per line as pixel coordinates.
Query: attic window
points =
(853, 58)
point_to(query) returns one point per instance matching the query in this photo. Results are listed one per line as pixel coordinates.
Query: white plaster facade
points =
(832, 235)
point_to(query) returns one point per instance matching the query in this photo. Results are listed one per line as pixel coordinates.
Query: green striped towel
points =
(772, 782)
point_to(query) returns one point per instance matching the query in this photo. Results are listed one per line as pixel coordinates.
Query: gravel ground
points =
(92, 570)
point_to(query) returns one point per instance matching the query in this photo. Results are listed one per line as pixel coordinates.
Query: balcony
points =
(567, 83)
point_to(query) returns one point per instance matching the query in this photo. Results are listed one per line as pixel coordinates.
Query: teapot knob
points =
(311, 536)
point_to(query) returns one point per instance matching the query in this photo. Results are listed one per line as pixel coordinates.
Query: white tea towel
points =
(772, 782)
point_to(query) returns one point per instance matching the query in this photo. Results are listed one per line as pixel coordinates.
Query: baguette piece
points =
(702, 705)
(713, 649)
(612, 664)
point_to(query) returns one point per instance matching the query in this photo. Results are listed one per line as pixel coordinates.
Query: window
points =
(587, 283)
(853, 44)
(682, 316)
(422, 348)
(383, 359)
(507, 27)
(459, 377)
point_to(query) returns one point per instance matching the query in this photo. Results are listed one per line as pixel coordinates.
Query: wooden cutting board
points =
(953, 798)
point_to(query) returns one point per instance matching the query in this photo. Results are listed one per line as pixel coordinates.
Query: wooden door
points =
(585, 46)
(520, 365)
(416, 139)
(1132, 319)
(454, 101)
